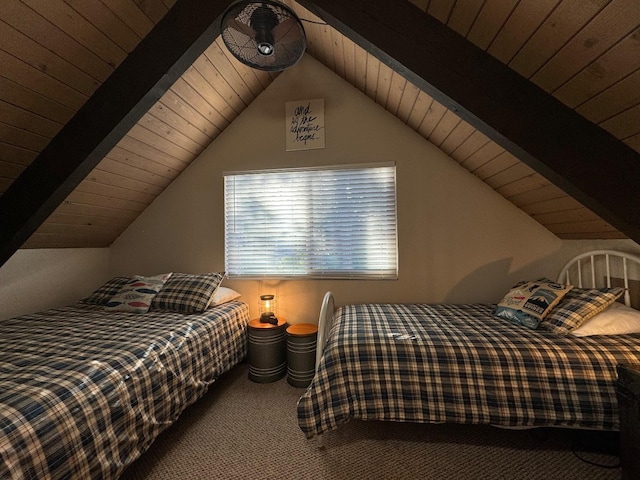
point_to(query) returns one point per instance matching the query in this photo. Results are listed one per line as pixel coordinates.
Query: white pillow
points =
(223, 295)
(617, 319)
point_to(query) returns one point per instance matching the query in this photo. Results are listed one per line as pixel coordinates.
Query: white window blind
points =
(337, 222)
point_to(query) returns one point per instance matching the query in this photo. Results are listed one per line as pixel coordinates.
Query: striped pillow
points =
(187, 292)
(577, 306)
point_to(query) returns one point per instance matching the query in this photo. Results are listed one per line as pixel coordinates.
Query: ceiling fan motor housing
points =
(263, 21)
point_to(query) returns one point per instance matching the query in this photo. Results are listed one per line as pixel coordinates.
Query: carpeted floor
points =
(245, 430)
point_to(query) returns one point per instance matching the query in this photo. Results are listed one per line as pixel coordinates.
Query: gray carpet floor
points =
(245, 430)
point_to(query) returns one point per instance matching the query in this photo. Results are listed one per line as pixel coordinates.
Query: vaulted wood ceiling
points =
(56, 54)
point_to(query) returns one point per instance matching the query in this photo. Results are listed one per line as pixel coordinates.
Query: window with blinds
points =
(330, 222)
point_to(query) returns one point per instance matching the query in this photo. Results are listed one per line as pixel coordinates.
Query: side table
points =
(267, 351)
(301, 354)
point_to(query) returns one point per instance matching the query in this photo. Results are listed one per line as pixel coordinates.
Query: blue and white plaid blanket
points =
(84, 392)
(460, 364)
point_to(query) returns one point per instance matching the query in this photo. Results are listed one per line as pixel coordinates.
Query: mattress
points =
(458, 363)
(84, 392)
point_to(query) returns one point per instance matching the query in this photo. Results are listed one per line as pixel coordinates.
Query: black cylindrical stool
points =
(301, 354)
(267, 351)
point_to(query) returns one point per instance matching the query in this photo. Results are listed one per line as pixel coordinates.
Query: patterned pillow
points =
(103, 294)
(527, 303)
(136, 295)
(187, 292)
(578, 306)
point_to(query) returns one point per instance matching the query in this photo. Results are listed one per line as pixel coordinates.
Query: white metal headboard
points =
(325, 323)
(600, 264)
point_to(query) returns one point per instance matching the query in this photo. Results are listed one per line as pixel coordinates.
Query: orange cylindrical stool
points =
(301, 354)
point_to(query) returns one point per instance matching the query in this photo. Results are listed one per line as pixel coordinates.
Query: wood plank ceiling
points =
(54, 54)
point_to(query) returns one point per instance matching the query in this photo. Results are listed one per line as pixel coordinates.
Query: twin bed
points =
(434, 363)
(85, 389)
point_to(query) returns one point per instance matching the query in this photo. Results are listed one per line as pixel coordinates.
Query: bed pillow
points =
(103, 294)
(136, 295)
(187, 292)
(223, 295)
(527, 303)
(616, 319)
(578, 306)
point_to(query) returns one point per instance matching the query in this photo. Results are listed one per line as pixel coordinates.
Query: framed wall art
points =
(304, 124)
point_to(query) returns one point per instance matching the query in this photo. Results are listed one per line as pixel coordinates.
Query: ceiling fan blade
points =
(287, 28)
(241, 27)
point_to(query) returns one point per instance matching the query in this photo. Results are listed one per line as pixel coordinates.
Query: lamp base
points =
(268, 318)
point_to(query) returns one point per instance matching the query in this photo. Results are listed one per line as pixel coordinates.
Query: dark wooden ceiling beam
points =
(135, 86)
(584, 160)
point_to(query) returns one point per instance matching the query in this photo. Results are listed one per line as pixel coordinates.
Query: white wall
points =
(459, 241)
(33, 280)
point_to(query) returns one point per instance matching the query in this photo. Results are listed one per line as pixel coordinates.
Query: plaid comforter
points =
(84, 392)
(458, 363)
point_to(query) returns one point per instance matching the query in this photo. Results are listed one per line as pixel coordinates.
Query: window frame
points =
(390, 272)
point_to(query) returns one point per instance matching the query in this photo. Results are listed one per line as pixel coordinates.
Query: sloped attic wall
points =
(459, 241)
(38, 279)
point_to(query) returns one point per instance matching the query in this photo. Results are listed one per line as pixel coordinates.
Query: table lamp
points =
(267, 309)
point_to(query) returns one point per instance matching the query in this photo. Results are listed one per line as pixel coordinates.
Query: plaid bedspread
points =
(84, 392)
(458, 363)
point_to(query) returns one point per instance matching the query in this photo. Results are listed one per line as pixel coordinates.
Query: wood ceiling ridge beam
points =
(554, 140)
(127, 94)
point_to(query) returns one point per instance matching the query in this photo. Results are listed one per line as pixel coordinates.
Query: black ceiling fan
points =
(265, 35)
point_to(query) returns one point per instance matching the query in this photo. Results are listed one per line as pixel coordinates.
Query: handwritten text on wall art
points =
(305, 124)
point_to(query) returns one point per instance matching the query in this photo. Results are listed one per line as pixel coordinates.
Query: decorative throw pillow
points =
(187, 292)
(527, 303)
(136, 295)
(103, 294)
(223, 295)
(578, 306)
